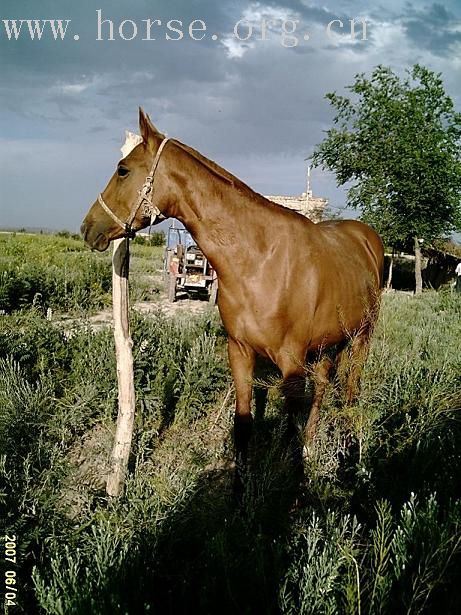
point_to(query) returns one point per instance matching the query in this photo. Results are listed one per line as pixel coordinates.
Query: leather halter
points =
(145, 199)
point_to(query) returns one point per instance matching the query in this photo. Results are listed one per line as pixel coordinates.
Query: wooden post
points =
(125, 374)
(391, 266)
(418, 276)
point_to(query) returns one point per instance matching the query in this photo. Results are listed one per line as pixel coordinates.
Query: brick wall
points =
(306, 204)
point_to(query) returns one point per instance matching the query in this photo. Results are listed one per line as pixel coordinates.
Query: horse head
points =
(126, 203)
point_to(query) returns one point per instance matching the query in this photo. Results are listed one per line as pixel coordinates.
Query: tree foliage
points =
(397, 141)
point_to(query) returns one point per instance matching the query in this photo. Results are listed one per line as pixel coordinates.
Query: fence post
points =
(125, 374)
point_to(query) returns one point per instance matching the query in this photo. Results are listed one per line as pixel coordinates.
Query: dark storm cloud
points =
(310, 13)
(434, 28)
(42, 62)
(65, 81)
(257, 108)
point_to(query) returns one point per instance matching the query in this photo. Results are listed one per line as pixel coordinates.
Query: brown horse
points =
(289, 290)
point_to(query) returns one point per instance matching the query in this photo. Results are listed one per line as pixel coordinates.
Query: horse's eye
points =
(122, 171)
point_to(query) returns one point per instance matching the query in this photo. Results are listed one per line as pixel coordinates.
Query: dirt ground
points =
(183, 305)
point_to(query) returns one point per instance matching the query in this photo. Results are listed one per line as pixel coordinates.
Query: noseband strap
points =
(109, 212)
(144, 199)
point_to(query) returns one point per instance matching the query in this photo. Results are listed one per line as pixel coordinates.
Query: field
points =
(58, 272)
(373, 526)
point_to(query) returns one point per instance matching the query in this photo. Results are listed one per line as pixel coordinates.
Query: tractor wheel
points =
(171, 290)
(213, 292)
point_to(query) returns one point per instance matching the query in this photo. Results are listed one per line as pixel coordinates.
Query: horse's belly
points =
(304, 319)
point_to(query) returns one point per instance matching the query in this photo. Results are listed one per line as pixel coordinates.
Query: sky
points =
(257, 107)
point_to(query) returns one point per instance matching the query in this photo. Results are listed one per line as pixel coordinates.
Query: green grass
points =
(59, 272)
(374, 526)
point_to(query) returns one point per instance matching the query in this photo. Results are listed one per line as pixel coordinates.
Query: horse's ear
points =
(146, 128)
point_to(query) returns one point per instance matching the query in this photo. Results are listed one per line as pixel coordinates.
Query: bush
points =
(373, 527)
(401, 565)
(52, 272)
(155, 238)
(59, 272)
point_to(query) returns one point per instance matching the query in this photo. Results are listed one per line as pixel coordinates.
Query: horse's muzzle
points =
(94, 238)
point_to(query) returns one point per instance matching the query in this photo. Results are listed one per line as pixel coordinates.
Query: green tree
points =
(397, 142)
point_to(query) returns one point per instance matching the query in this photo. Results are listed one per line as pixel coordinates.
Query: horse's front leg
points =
(242, 361)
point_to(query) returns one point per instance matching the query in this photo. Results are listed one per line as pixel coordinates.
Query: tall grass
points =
(59, 272)
(374, 526)
(51, 272)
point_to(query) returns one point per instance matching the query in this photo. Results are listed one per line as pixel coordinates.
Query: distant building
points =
(313, 207)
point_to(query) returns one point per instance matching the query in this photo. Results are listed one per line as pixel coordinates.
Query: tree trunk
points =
(125, 374)
(418, 276)
(389, 275)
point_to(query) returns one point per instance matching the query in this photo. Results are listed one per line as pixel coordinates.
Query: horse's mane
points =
(218, 171)
(212, 166)
(132, 139)
(228, 177)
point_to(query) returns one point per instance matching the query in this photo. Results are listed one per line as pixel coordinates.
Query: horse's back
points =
(332, 280)
(353, 243)
(344, 279)
(311, 290)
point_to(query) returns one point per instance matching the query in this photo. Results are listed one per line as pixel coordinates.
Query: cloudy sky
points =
(257, 107)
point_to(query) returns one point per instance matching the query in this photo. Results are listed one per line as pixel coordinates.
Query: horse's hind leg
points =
(260, 389)
(294, 391)
(321, 373)
(357, 352)
(356, 357)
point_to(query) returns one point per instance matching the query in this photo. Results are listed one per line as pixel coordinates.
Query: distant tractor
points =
(186, 268)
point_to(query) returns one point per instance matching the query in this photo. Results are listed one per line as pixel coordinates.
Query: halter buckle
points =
(129, 231)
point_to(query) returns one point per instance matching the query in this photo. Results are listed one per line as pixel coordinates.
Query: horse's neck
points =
(222, 215)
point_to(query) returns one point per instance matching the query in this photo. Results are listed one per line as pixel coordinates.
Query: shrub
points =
(155, 238)
(373, 527)
(52, 272)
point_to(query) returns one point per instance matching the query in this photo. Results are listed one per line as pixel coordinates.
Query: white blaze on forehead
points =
(131, 141)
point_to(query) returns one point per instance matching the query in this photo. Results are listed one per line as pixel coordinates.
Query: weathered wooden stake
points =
(125, 376)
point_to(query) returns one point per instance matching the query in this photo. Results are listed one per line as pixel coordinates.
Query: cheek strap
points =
(144, 199)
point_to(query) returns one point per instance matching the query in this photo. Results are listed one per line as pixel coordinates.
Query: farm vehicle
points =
(186, 268)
